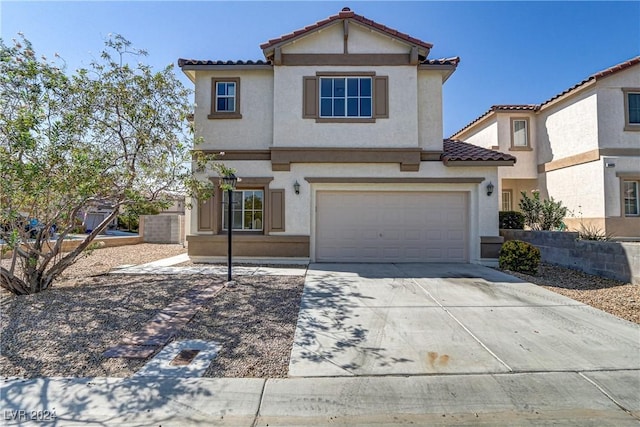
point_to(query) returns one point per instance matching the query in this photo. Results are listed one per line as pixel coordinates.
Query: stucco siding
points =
(611, 114)
(568, 129)
(254, 130)
(621, 165)
(526, 166)
(580, 188)
(291, 130)
(430, 110)
(486, 137)
(364, 40)
(299, 208)
(331, 40)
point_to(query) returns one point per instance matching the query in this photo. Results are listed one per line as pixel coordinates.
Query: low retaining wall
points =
(163, 228)
(105, 242)
(615, 260)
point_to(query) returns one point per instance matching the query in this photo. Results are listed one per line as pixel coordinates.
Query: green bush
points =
(542, 214)
(516, 255)
(511, 220)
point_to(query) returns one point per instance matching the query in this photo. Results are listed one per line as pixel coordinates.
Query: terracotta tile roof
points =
(456, 150)
(499, 108)
(536, 107)
(182, 62)
(442, 61)
(600, 74)
(346, 13)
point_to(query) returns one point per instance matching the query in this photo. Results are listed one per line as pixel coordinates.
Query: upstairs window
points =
(519, 133)
(632, 109)
(345, 97)
(225, 98)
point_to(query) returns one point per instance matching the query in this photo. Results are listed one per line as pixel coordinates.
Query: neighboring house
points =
(337, 139)
(581, 147)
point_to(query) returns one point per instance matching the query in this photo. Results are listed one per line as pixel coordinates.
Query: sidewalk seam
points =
(611, 398)
(257, 416)
(463, 326)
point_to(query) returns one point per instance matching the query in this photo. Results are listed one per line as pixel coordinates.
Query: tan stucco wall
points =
(517, 186)
(254, 130)
(300, 208)
(526, 166)
(430, 110)
(569, 128)
(331, 40)
(485, 136)
(291, 130)
(580, 188)
(611, 113)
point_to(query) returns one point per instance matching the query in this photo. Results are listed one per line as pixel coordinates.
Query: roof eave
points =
(446, 69)
(209, 67)
(477, 163)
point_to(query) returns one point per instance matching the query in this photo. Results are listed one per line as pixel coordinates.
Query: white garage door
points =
(391, 226)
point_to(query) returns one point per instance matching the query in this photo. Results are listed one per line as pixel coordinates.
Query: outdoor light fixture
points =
(296, 187)
(489, 188)
(230, 181)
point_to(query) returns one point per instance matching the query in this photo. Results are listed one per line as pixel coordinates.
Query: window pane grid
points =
(247, 210)
(345, 97)
(226, 97)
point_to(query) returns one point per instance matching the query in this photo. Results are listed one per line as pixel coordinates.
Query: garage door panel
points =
(391, 226)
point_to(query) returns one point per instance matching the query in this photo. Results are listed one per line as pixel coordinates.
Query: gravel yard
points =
(64, 330)
(618, 298)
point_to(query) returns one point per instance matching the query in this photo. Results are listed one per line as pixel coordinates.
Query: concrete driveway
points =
(420, 319)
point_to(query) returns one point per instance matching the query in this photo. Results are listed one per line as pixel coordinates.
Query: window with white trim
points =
(630, 197)
(346, 97)
(519, 133)
(225, 98)
(248, 210)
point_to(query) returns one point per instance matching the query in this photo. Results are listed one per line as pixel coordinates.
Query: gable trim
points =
(378, 180)
(344, 59)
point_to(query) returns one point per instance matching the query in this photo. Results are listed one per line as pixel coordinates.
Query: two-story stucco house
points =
(581, 147)
(337, 137)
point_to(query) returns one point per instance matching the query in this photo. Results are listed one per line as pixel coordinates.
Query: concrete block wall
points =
(615, 260)
(162, 228)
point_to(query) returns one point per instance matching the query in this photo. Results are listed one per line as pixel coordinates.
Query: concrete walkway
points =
(390, 344)
(525, 399)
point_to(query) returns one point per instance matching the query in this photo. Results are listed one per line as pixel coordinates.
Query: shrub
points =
(593, 232)
(516, 255)
(511, 220)
(542, 214)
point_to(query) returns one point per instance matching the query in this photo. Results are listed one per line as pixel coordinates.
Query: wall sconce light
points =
(489, 188)
(296, 187)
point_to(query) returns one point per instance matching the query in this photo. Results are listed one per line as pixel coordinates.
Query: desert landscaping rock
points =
(64, 330)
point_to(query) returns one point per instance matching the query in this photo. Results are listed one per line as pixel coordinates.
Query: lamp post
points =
(230, 182)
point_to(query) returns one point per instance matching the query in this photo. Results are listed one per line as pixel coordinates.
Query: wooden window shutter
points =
(276, 207)
(310, 98)
(381, 97)
(205, 214)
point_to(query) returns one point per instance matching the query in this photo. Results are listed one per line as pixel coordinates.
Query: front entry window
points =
(247, 210)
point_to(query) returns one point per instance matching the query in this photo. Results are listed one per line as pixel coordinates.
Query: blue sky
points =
(511, 52)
